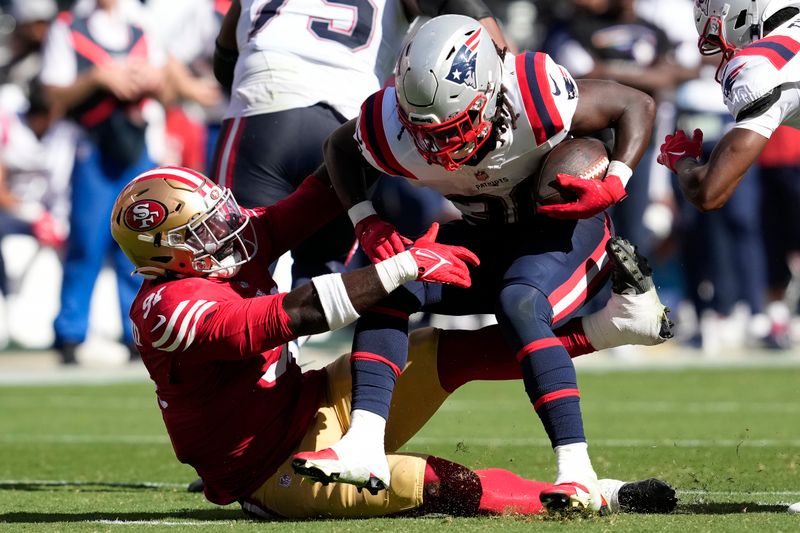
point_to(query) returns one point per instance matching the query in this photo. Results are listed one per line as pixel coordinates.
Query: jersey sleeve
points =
(549, 95)
(189, 316)
(371, 133)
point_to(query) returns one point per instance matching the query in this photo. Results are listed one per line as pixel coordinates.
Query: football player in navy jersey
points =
(297, 70)
(213, 335)
(473, 122)
(759, 72)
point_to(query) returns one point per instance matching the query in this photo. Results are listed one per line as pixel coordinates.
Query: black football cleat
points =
(196, 486)
(647, 496)
(632, 275)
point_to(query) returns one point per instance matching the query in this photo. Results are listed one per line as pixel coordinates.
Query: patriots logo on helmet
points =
(462, 70)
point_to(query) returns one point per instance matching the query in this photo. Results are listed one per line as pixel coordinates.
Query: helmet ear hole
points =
(741, 19)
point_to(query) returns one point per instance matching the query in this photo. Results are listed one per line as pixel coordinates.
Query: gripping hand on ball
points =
(594, 196)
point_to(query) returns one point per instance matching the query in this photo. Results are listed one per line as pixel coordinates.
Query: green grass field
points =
(96, 458)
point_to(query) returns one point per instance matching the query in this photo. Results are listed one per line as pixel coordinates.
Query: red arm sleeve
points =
(298, 216)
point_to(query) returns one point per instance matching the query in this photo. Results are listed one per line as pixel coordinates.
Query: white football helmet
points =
(173, 220)
(447, 81)
(728, 25)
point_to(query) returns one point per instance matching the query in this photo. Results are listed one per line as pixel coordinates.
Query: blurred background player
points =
(296, 71)
(474, 124)
(99, 69)
(208, 307)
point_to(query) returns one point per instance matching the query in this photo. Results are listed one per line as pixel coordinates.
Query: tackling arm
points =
(708, 186)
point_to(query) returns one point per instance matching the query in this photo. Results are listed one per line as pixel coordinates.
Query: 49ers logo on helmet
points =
(145, 215)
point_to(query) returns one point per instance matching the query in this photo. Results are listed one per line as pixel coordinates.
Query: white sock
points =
(367, 431)
(626, 319)
(573, 464)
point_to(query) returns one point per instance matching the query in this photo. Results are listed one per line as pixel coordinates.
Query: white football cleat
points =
(364, 470)
(567, 497)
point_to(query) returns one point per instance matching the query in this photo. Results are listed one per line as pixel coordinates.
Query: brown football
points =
(583, 157)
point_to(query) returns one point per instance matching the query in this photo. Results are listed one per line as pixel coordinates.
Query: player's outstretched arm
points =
(335, 300)
(708, 186)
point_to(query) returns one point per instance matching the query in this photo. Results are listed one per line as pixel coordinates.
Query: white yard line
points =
(424, 440)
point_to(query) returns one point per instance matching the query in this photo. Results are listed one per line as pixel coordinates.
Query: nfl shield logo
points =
(481, 175)
(462, 71)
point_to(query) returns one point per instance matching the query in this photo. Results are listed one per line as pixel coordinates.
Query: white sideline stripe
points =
(213, 523)
(740, 493)
(67, 483)
(167, 485)
(475, 441)
(615, 443)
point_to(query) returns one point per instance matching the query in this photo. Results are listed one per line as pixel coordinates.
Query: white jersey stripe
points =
(225, 160)
(580, 288)
(172, 320)
(187, 319)
(197, 317)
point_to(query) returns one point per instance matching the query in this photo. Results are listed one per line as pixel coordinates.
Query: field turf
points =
(96, 457)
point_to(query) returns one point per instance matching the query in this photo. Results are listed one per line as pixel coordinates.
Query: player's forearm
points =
(633, 128)
(705, 190)
(343, 162)
(335, 300)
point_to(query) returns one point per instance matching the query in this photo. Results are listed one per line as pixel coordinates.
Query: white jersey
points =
(540, 91)
(297, 53)
(761, 83)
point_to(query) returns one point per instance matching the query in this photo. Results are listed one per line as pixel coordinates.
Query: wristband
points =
(397, 270)
(336, 304)
(360, 211)
(621, 170)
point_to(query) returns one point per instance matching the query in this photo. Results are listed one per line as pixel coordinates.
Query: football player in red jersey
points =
(475, 123)
(214, 338)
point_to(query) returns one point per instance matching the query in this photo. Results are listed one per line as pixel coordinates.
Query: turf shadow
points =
(211, 515)
(729, 508)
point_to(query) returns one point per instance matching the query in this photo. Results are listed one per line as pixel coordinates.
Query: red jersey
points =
(233, 399)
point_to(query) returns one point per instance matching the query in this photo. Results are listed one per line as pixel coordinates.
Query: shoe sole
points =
(630, 265)
(563, 503)
(647, 496)
(315, 473)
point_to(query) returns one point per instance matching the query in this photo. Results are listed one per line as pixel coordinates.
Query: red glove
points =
(594, 196)
(379, 239)
(679, 146)
(442, 263)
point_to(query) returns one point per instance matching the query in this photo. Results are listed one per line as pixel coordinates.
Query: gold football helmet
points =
(175, 220)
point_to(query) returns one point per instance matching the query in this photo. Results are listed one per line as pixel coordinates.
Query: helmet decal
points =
(701, 5)
(462, 70)
(145, 215)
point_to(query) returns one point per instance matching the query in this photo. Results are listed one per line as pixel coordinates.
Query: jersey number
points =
(355, 37)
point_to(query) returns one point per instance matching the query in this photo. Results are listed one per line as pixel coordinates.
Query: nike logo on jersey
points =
(161, 320)
(556, 90)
